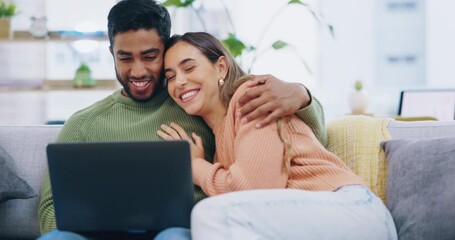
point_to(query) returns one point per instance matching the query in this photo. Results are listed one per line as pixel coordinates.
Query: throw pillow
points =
(11, 185)
(420, 191)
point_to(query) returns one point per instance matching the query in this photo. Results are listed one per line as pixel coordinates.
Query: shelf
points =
(56, 36)
(43, 106)
(63, 85)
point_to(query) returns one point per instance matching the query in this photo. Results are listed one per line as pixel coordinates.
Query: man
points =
(137, 32)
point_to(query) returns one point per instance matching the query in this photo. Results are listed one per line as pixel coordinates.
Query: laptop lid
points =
(437, 103)
(121, 186)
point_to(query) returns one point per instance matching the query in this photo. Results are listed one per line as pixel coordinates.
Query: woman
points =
(307, 192)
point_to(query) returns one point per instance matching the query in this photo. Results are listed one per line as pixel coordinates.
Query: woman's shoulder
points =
(239, 93)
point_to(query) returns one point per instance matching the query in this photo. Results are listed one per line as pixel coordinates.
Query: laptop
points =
(121, 186)
(436, 103)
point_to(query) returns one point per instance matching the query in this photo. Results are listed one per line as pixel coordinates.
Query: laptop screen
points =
(121, 186)
(439, 104)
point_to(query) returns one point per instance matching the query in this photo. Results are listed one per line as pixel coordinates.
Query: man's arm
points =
(272, 98)
(46, 213)
(313, 116)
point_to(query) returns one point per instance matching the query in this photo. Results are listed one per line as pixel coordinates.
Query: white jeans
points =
(352, 212)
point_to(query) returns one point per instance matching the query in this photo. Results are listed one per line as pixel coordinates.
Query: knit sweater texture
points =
(250, 158)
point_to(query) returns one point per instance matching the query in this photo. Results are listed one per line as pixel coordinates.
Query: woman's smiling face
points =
(193, 79)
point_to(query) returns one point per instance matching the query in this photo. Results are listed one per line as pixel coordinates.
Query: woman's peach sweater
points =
(250, 158)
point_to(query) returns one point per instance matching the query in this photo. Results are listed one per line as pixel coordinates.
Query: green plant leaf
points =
(11, 10)
(2, 8)
(234, 45)
(7, 10)
(358, 85)
(178, 3)
(279, 45)
(331, 30)
(250, 48)
(83, 68)
(298, 2)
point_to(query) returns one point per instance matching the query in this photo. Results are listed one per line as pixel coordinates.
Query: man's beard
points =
(127, 89)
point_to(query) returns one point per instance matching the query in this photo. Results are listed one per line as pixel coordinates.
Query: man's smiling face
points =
(138, 57)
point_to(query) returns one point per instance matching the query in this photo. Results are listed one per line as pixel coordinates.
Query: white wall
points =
(336, 62)
(294, 25)
(66, 15)
(347, 57)
(352, 55)
(440, 43)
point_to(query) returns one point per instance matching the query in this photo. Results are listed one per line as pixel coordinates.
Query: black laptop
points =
(121, 186)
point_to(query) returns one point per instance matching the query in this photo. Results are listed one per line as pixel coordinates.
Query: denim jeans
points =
(352, 212)
(61, 235)
(175, 233)
(65, 235)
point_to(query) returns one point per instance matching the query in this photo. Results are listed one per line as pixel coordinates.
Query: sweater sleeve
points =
(254, 162)
(313, 116)
(46, 212)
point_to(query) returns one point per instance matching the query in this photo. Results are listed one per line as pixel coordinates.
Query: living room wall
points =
(336, 62)
(353, 54)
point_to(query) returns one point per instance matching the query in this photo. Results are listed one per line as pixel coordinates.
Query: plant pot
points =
(358, 102)
(5, 28)
(83, 78)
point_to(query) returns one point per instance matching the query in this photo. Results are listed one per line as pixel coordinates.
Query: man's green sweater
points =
(119, 118)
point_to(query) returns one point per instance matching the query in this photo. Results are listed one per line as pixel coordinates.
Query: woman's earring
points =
(221, 82)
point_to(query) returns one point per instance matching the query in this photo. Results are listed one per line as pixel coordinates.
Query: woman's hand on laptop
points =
(174, 132)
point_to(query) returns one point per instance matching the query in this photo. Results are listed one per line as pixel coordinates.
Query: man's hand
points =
(270, 99)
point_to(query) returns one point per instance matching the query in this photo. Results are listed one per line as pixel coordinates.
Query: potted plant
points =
(358, 100)
(7, 11)
(83, 77)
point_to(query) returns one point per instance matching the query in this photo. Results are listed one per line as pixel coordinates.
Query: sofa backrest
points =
(26, 145)
(421, 129)
(356, 140)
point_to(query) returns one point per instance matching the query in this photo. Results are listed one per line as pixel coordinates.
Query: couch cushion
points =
(420, 194)
(26, 145)
(12, 186)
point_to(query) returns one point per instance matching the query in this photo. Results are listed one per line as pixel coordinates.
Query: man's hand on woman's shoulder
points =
(270, 98)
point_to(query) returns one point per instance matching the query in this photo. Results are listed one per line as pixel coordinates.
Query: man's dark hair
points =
(134, 15)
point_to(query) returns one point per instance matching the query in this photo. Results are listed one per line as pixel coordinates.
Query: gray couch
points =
(26, 145)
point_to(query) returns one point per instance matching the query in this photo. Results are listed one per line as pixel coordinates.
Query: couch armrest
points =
(356, 140)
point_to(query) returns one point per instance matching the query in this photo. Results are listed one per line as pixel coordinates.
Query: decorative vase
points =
(83, 77)
(38, 28)
(358, 100)
(5, 28)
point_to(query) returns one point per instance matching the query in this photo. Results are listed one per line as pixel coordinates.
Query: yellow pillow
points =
(356, 140)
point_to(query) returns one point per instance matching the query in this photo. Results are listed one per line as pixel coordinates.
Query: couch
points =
(360, 141)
